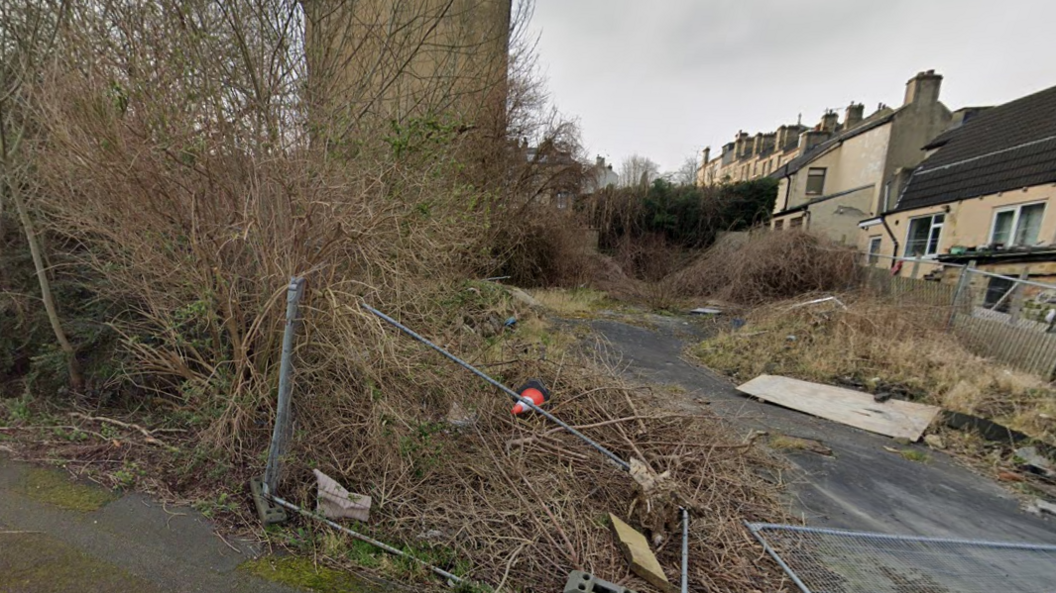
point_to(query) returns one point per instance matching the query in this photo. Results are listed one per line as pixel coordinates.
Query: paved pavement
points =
(126, 544)
(862, 487)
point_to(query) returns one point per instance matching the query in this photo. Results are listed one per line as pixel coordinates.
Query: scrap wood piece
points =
(893, 418)
(635, 549)
(335, 502)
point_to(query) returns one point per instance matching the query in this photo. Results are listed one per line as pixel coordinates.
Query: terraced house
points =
(858, 172)
(986, 193)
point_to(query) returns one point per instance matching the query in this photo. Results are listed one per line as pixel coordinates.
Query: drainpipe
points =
(788, 188)
(890, 233)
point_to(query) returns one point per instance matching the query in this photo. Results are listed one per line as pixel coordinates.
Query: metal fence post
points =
(281, 435)
(962, 284)
(264, 489)
(1016, 308)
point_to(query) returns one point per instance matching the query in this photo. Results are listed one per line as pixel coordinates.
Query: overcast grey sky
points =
(665, 78)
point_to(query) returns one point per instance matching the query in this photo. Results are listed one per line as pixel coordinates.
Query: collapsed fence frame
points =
(271, 507)
(834, 560)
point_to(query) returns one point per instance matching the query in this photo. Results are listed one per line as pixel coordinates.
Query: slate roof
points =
(1008, 147)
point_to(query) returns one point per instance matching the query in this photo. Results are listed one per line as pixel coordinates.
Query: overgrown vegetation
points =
(686, 216)
(768, 266)
(181, 161)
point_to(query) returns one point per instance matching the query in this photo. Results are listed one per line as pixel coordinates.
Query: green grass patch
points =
(914, 455)
(294, 571)
(55, 488)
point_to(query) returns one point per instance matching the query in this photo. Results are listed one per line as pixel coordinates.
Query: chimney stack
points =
(706, 156)
(742, 144)
(600, 162)
(853, 116)
(812, 138)
(923, 88)
(829, 121)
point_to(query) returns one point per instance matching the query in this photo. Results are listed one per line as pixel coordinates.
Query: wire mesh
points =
(832, 561)
(1005, 318)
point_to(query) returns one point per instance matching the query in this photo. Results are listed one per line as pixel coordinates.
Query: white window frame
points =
(1018, 209)
(931, 229)
(873, 257)
(824, 175)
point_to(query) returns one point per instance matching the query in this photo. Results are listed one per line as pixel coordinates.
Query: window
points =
(874, 250)
(795, 223)
(1018, 225)
(779, 224)
(924, 233)
(815, 181)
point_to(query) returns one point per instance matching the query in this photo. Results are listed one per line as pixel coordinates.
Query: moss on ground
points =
(37, 563)
(294, 571)
(56, 488)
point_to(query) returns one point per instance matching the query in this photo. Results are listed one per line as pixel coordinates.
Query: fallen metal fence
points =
(1009, 319)
(832, 561)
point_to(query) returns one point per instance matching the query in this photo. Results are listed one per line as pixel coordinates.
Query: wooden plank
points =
(894, 418)
(635, 548)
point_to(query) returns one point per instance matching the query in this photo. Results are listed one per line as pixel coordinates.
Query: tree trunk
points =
(76, 380)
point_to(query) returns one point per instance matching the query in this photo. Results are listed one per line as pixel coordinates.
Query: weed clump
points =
(768, 266)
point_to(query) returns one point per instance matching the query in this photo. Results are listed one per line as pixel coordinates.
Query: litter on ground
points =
(893, 418)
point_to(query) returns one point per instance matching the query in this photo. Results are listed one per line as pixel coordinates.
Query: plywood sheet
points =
(893, 418)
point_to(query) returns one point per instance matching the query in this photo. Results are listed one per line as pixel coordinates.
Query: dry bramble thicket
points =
(174, 163)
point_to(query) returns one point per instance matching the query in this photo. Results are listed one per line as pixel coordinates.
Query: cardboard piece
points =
(334, 502)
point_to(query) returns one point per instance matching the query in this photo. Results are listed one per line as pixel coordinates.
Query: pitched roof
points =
(1008, 147)
(873, 121)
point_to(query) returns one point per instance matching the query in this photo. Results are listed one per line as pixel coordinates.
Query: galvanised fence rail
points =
(832, 561)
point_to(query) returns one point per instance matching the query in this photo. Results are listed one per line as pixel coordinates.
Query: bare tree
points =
(638, 170)
(26, 40)
(687, 173)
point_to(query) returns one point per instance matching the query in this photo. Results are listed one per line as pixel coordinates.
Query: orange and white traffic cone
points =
(534, 391)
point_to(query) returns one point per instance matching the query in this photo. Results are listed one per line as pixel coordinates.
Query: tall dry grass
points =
(882, 347)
